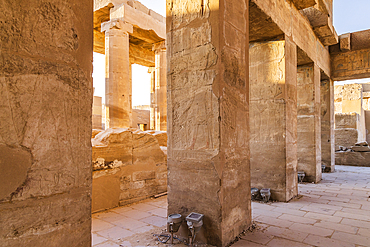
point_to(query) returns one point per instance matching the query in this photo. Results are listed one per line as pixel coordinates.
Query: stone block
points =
(160, 135)
(131, 159)
(347, 120)
(143, 175)
(352, 158)
(345, 137)
(360, 148)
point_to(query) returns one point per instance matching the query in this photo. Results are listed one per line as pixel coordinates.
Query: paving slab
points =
(332, 213)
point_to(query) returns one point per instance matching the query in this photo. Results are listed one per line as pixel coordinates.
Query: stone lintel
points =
(352, 62)
(293, 23)
(345, 42)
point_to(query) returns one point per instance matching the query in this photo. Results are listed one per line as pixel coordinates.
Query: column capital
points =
(159, 46)
(117, 24)
(151, 69)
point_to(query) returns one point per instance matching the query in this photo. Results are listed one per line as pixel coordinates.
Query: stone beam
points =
(138, 54)
(291, 22)
(141, 56)
(302, 4)
(139, 18)
(322, 24)
(208, 115)
(351, 58)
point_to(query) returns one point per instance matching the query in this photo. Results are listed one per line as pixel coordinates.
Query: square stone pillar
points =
(151, 70)
(309, 122)
(273, 117)
(161, 85)
(118, 74)
(97, 112)
(208, 114)
(327, 125)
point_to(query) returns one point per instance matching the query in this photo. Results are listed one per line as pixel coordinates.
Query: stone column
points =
(151, 70)
(208, 114)
(327, 125)
(161, 85)
(309, 122)
(273, 111)
(118, 76)
(46, 94)
(97, 113)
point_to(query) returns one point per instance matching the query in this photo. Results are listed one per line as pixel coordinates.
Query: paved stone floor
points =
(335, 212)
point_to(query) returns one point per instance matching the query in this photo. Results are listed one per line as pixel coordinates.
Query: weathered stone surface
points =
(351, 102)
(140, 117)
(351, 60)
(322, 23)
(45, 122)
(362, 144)
(352, 158)
(15, 162)
(347, 120)
(161, 137)
(327, 125)
(292, 23)
(95, 132)
(207, 85)
(309, 122)
(129, 166)
(345, 137)
(273, 121)
(345, 42)
(149, 28)
(360, 148)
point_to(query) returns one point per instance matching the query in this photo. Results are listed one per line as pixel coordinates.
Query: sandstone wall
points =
(140, 117)
(345, 137)
(45, 122)
(352, 158)
(129, 165)
(347, 120)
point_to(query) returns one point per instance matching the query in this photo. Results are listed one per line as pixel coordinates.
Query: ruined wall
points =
(349, 99)
(207, 85)
(129, 165)
(45, 122)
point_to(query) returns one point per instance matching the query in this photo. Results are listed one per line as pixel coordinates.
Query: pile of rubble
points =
(358, 147)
